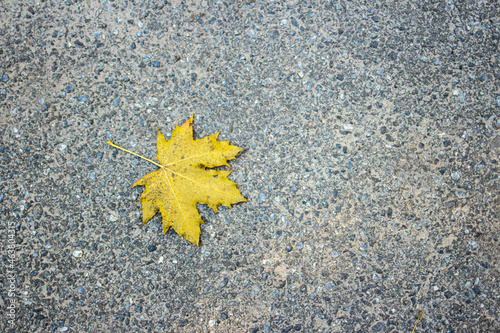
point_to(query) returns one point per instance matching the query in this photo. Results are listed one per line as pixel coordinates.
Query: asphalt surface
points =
(371, 165)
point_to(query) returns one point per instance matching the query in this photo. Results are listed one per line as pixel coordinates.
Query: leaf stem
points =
(130, 152)
(417, 321)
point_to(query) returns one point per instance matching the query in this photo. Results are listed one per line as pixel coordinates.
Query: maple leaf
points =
(183, 180)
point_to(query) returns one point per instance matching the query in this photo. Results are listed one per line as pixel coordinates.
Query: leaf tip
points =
(189, 122)
(144, 219)
(194, 241)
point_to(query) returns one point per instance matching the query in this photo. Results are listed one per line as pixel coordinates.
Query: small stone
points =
(77, 253)
(82, 99)
(5, 78)
(62, 147)
(223, 283)
(113, 218)
(151, 248)
(455, 176)
(156, 64)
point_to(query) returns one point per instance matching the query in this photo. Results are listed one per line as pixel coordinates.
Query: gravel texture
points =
(371, 165)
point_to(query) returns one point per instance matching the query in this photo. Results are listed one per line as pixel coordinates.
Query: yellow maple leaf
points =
(183, 180)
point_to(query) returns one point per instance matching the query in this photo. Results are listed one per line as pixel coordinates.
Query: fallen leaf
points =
(183, 180)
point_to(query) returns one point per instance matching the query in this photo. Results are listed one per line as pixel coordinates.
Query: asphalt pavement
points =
(371, 136)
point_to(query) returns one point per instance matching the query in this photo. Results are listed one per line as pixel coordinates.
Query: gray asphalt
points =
(371, 136)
